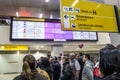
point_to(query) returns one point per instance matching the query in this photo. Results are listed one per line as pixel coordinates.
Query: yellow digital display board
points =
(29, 19)
(13, 47)
(88, 16)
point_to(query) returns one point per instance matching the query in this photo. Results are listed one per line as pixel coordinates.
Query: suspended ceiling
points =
(32, 8)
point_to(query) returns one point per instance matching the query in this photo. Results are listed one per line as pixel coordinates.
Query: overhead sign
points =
(13, 47)
(29, 19)
(88, 16)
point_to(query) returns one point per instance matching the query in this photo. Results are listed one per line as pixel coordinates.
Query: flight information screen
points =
(31, 29)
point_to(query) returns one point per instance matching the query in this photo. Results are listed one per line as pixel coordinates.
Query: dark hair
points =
(45, 63)
(87, 56)
(118, 46)
(28, 64)
(109, 59)
(66, 59)
(80, 53)
(109, 46)
(59, 57)
(55, 58)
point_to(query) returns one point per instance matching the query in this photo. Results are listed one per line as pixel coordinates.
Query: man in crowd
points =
(87, 73)
(56, 69)
(75, 66)
(80, 60)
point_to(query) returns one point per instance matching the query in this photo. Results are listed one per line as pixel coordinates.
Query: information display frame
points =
(42, 20)
(89, 16)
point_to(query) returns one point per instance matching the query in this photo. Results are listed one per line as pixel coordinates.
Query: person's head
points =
(95, 61)
(65, 59)
(109, 56)
(86, 57)
(59, 58)
(30, 60)
(55, 59)
(29, 63)
(109, 46)
(77, 56)
(118, 46)
(80, 53)
(72, 56)
(45, 63)
(39, 60)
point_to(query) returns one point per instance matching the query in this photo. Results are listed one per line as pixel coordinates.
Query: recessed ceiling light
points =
(17, 14)
(47, 0)
(74, 3)
(51, 16)
(40, 16)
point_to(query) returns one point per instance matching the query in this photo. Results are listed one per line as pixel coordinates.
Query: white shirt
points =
(77, 65)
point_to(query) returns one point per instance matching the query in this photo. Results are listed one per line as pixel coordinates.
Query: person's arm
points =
(78, 67)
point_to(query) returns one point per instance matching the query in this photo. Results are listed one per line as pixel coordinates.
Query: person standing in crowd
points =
(80, 60)
(29, 71)
(56, 69)
(87, 73)
(110, 63)
(39, 62)
(61, 64)
(106, 60)
(45, 65)
(96, 70)
(67, 73)
(118, 46)
(75, 66)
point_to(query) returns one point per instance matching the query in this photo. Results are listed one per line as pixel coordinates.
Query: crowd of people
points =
(74, 66)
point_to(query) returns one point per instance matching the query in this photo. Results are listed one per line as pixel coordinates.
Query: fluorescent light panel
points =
(40, 16)
(51, 16)
(74, 3)
(17, 14)
(47, 0)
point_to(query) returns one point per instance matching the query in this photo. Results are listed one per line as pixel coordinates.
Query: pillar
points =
(115, 37)
(57, 50)
(112, 2)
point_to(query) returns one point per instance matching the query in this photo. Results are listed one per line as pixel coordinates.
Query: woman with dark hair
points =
(45, 65)
(67, 72)
(110, 63)
(29, 71)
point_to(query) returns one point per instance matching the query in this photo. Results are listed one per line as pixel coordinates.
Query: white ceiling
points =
(31, 8)
(52, 5)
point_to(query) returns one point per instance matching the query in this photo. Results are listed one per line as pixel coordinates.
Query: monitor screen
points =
(46, 29)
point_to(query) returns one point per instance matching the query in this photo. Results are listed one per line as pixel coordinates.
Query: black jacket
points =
(114, 76)
(80, 60)
(56, 70)
(67, 72)
(35, 73)
(49, 71)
